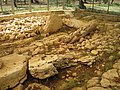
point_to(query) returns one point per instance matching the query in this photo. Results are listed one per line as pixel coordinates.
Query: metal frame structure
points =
(56, 2)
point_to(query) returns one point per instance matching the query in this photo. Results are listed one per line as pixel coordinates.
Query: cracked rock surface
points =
(13, 70)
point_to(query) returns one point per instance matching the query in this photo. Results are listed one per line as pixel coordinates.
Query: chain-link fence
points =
(104, 6)
(20, 6)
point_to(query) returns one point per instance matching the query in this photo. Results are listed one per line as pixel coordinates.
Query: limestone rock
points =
(97, 88)
(92, 82)
(87, 59)
(117, 25)
(110, 74)
(59, 61)
(36, 86)
(36, 51)
(91, 26)
(41, 69)
(74, 39)
(74, 74)
(117, 65)
(61, 50)
(1, 64)
(21, 50)
(63, 61)
(39, 44)
(46, 66)
(83, 31)
(23, 79)
(18, 87)
(73, 23)
(119, 72)
(105, 82)
(14, 70)
(89, 17)
(94, 52)
(53, 24)
(12, 37)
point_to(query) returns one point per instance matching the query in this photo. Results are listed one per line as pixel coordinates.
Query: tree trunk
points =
(32, 1)
(105, 1)
(81, 4)
(15, 3)
(112, 1)
(85, 1)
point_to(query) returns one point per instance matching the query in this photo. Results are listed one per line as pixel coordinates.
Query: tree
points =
(85, 1)
(81, 4)
(106, 1)
(112, 1)
(15, 3)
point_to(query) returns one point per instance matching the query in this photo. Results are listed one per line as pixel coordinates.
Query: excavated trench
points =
(63, 51)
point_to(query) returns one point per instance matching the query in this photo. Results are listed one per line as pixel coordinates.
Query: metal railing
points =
(37, 5)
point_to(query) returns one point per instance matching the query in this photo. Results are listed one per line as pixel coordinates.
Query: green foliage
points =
(116, 4)
(71, 84)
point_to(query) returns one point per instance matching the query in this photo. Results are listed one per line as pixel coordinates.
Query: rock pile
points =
(20, 28)
(109, 80)
(62, 43)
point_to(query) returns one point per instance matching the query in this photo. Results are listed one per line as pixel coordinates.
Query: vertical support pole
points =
(63, 4)
(108, 6)
(1, 6)
(48, 8)
(30, 9)
(12, 5)
(2, 1)
(93, 5)
(57, 3)
(74, 2)
(99, 2)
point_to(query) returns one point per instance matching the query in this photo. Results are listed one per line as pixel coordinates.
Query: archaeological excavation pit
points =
(60, 51)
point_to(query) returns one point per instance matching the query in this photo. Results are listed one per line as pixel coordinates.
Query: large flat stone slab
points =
(41, 69)
(13, 70)
(46, 66)
(53, 24)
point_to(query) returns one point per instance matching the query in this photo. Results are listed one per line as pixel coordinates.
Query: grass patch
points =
(71, 84)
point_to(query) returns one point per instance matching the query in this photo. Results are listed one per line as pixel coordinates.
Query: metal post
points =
(1, 6)
(74, 2)
(93, 5)
(12, 5)
(48, 5)
(99, 2)
(57, 3)
(30, 9)
(108, 6)
(63, 4)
